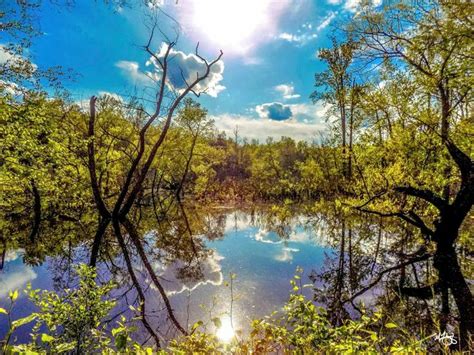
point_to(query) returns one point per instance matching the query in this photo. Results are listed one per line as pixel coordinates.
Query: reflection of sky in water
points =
(263, 264)
(210, 268)
(16, 275)
(262, 261)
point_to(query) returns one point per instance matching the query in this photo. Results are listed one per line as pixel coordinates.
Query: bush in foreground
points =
(73, 322)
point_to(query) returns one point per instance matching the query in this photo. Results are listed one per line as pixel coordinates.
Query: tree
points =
(116, 212)
(339, 85)
(427, 46)
(38, 165)
(193, 118)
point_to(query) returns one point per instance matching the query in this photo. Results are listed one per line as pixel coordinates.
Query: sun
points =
(233, 25)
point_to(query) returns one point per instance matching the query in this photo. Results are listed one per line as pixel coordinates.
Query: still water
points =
(262, 256)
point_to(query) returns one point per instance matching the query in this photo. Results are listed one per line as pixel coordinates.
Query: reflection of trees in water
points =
(136, 246)
(372, 260)
(379, 262)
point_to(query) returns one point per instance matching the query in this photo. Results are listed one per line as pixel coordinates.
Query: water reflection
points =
(225, 332)
(286, 254)
(16, 279)
(192, 258)
(178, 276)
(193, 250)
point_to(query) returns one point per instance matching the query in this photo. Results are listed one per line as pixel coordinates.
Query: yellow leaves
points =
(13, 295)
(45, 338)
(391, 325)
(22, 321)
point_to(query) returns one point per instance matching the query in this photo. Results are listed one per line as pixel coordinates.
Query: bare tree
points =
(166, 100)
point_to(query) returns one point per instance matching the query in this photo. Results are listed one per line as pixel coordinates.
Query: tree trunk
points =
(103, 224)
(337, 309)
(343, 129)
(36, 211)
(445, 113)
(179, 190)
(446, 263)
(4, 253)
(136, 283)
(141, 252)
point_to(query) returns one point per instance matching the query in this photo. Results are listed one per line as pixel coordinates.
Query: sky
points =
(262, 84)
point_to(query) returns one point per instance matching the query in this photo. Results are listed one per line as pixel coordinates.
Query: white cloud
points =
(326, 21)
(258, 128)
(286, 254)
(306, 123)
(252, 60)
(308, 31)
(352, 5)
(287, 91)
(84, 104)
(132, 71)
(12, 255)
(9, 60)
(10, 88)
(112, 95)
(153, 4)
(182, 71)
(263, 236)
(287, 37)
(297, 38)
(236, 221)
(274, 111)
(310, 113)
(6, 56)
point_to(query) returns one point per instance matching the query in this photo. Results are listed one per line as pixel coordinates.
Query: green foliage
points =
(197, 343)
(67, 321)
(305, 328)
(74, 323)
(76, 316)
(398, 124)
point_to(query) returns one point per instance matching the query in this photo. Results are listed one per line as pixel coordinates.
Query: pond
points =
(262, 257)
(234, 264)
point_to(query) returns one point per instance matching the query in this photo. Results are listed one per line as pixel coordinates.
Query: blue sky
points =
(268, 66)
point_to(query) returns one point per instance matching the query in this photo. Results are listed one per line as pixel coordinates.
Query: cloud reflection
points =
(16, 280)
(210, 272)
(286, 254)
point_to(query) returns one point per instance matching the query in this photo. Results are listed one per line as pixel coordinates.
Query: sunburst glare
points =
(225, 332)
(234, 26)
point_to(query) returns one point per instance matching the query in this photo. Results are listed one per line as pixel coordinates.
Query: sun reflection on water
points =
(225, 332)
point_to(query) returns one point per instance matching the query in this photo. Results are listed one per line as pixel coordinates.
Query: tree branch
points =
(382, 273)
(91, 161)
(427, 195)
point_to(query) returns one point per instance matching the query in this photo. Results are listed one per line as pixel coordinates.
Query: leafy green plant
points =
(67, 321)
(13, 324)
(73, 319)
(73, 323)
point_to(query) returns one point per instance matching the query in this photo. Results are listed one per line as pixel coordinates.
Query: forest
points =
(136, 224)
